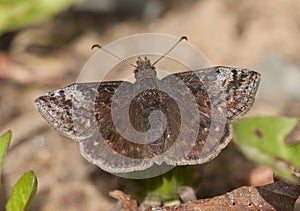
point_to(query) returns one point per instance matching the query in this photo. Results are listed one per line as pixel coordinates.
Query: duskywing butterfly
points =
(182, 119)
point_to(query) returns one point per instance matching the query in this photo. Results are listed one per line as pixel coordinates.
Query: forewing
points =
(232, 89)
(222, 94)
(70, 110)
(82, 112)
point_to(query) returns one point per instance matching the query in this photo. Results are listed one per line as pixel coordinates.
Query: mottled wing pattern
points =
(107, 127)
(70, 110)
(229, 92)
(83, 112)
(106, 147)
(140, 107)
(233, 89)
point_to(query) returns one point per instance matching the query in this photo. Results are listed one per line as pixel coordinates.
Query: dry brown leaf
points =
(127, 204)
(186, 193)
(276, 196)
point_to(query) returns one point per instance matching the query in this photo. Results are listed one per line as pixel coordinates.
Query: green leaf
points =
(17, 13)
(4, 142)
(164, 187)
(23, 193)
(262, 139)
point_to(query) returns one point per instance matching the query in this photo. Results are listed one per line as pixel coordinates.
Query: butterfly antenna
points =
(181, 38)
(112, 54)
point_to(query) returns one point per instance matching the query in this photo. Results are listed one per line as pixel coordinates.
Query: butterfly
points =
(182, 119)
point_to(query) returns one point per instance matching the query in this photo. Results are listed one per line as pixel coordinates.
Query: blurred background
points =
(44, 45)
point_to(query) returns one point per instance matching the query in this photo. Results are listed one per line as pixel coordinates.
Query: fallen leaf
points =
(275, 196)
(127, 204)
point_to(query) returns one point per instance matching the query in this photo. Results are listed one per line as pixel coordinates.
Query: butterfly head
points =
(144, 69)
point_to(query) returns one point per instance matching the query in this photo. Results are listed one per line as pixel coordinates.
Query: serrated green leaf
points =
(23, 193)
(4, 143)
(262, 139)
